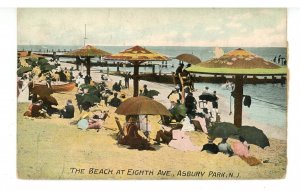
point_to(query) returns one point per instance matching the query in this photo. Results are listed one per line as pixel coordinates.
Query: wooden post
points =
(77, 63)
(135, 79)
(153, 69)
(88, 66)
(238, 99)
(118, 67)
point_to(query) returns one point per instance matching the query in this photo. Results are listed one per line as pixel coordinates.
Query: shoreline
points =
(165, 88)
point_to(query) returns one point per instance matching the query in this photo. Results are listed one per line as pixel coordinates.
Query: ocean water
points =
(269, 102)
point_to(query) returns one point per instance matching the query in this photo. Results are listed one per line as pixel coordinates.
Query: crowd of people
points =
(137, 129)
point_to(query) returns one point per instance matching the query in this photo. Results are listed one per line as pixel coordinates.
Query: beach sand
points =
(54, 149)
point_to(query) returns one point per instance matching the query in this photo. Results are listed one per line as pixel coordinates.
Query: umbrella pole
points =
(136, 79)
(77, 63)
(88, 66)
(238, 99)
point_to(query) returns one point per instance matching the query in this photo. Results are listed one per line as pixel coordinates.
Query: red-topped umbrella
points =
(137, 55)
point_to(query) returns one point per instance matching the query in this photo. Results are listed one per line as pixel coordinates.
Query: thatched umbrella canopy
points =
(88, 52)
(24, 55)
(189, 58)
(137, 55)
(238, 62)
(28, 54)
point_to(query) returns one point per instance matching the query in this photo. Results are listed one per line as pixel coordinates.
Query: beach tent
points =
(87, 52)
(189, 58)
(137, 55)
(238, 63)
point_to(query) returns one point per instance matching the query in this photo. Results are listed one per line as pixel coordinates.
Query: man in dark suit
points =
(68, 112)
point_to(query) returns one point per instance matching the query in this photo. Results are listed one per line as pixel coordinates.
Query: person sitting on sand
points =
(241, 147)
(104, 77)
(191, 105)
(115, 101)
(225, 147)
(164, 135)
(132, 137)
(95, 122)
(116, 87)
(36, 110)
(210, 147)
(145, 126)
(68, 112)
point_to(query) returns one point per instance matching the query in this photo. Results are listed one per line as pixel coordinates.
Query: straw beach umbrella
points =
(137, 55)
(88, 52)
(189, 58)
(238, 63)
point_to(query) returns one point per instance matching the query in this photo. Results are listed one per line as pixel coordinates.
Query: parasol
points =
(189, 58)
(23, 70)
(49, 99)
(142, 106)
(223, 130)
(254, 136)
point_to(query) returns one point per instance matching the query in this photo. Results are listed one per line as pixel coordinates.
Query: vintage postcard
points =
(140, 93)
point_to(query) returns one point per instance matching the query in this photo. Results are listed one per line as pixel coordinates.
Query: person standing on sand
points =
(145, 91)
(179, 71)
(87, 79)
(215, 104)
(126, 79)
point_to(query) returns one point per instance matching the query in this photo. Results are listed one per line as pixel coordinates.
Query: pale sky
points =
(154, 27)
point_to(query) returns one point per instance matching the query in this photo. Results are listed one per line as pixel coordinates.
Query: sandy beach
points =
(54, 149)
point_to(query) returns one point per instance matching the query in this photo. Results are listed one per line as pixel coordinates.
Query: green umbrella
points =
(223, 130)
(23, 70)
(31, 61)
(152, 93)
(47, 67)
(254, 136)
(90, 88)
(178, 111)
(42, 61)
(87, 98)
